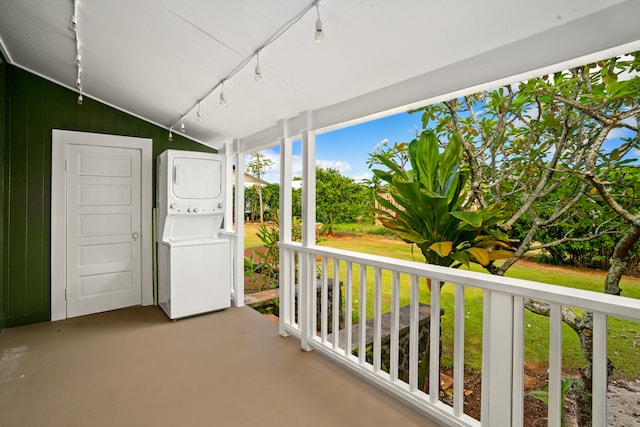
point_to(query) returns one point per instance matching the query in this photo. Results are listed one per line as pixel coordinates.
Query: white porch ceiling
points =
(157, 58)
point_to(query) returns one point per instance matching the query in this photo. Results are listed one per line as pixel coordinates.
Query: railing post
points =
(497, 359)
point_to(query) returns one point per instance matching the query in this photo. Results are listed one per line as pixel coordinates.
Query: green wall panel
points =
(3, 165)
(34, 107)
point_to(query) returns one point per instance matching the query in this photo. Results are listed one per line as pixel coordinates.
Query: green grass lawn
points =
(624, 336)
(251, 239)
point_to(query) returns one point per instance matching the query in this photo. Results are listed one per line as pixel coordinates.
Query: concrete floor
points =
(134, 367)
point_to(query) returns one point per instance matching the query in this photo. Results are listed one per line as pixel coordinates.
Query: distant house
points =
(249, 180)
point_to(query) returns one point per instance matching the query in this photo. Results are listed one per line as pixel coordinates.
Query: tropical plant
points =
(543, 396)
(427, 208)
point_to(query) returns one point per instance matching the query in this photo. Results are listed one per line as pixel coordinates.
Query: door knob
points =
(135, 236)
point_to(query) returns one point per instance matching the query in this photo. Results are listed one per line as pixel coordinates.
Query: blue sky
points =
(347, 149)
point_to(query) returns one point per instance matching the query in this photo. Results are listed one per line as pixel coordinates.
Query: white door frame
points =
(59, 143)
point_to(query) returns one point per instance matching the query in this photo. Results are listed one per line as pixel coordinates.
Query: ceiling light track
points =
(73, 26)
(318, 37)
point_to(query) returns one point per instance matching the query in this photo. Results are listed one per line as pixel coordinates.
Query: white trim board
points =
(60, 141)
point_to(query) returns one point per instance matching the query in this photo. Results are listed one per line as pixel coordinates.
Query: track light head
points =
(319, 36)
(73, 23)
(257, 75)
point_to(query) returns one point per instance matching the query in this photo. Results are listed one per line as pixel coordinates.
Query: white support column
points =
(228, 214)
(238, 296)
(228, 187)
(308, 189)
(307, 262)
(285, 279)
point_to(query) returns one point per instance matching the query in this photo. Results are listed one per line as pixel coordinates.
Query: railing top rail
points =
(593, 301)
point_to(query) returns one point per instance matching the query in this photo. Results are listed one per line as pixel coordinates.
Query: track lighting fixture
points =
(258, 76)
(223, 101)
(73, 21)
(79, 82)
(199, 113)
(80, 99)
(78, 58)
(319, 34)
(171, 134)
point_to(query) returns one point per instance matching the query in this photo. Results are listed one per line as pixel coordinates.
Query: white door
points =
(103, 225)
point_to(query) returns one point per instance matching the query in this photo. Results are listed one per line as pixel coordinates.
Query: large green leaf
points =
(498, 254)
(442, 248)
(480, 255)
(461, 257)
(390, 164)
(449, 160)
(474, 219)
(426, 159)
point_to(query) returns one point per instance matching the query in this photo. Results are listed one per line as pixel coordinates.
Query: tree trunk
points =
(583, 387)
(259, 189)
(620, 260)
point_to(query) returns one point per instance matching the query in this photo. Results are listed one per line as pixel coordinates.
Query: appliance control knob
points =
(195, 210)
(189, 210)
(220, 205)
(172, 206)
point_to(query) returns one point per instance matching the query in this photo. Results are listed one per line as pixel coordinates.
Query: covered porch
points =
(133, 367)
(169, 63)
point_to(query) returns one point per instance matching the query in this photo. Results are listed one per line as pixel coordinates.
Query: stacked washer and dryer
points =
(194, 262)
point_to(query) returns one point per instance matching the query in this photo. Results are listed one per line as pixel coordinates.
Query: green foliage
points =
(361, 228)
(270, 200)
(543, 396)
(540, 146)
(428, 209)
(264, 262)
(340, 200)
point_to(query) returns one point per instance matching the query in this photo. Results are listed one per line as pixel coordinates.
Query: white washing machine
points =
(194, 263)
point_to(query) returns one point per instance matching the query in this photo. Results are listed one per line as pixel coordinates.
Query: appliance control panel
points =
(191, 208)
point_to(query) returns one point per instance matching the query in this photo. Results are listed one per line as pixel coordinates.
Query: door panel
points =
(103, 228)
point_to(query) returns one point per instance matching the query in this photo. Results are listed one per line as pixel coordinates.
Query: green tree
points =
(339, 199)
(257, 165)
(543, 147)
(428, 209)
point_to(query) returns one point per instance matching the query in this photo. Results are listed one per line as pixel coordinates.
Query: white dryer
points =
(194, 263)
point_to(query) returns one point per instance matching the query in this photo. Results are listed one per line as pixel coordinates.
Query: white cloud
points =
(617, 133)
(362, 177)
(272, 174)
(340, 165)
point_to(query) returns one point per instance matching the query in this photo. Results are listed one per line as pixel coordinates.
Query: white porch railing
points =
(503, 329)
